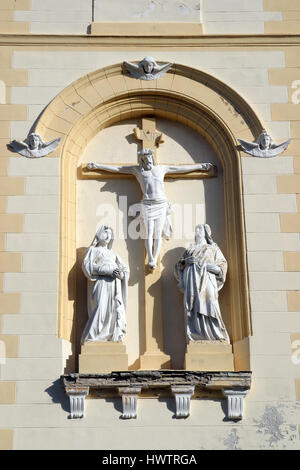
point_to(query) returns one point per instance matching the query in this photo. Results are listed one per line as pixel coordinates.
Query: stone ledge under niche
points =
(179, 384)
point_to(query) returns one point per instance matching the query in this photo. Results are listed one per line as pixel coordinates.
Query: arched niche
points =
(185, 95)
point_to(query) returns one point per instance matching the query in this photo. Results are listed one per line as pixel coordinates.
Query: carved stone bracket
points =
(182, 396)
(180, 384)
(129, 401)
(235, 399)
(77, 400)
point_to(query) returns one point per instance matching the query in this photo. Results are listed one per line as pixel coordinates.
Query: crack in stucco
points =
(232, 440)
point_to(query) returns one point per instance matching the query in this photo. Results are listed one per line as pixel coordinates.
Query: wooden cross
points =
(153, 356)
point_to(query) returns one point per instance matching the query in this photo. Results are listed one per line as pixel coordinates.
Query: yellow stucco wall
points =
(35, 69)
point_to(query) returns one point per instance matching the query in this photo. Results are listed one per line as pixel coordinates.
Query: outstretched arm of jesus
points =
(188, 168)
(111, 168)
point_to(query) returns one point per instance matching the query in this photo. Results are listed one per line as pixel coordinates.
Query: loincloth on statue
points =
(156, 210)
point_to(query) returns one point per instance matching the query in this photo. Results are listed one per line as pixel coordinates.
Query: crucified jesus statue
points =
(155, 207)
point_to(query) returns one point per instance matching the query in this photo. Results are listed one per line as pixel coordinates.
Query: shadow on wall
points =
(81, 315)
(57, 394)
(173, 312)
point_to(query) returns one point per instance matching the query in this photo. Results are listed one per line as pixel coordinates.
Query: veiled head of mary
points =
(105, 236)
(203, 231)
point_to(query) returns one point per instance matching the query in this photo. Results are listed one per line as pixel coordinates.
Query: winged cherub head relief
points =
(33, 146)
(146, 69)
(263, 147)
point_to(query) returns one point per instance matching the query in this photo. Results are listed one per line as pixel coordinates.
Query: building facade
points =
(235, 71)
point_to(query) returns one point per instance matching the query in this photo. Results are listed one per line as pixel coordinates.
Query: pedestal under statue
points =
(201, 273)
(106, 301)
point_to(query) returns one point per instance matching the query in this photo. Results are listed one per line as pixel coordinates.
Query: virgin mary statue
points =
(107, 290)
(201, 273)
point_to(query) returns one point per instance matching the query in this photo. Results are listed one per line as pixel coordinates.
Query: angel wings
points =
(147, 69)
(33, 146)
(264, 147)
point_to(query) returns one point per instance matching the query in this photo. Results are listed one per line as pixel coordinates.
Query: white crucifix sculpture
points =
(154, 207)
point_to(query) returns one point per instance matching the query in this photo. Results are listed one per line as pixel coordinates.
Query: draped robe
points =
(201, 292)
(106, 295)
(156, 210)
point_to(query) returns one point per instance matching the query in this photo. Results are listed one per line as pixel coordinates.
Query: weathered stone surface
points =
(179, 384)
(162, 379)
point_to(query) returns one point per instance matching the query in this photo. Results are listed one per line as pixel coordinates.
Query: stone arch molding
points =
(183, 94)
